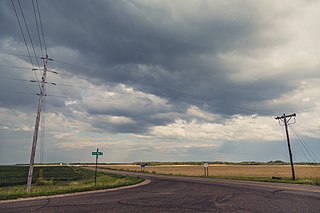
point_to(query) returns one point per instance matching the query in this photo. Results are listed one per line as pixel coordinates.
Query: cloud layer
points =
(162, 80)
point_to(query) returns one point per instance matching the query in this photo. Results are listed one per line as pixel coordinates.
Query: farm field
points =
(17, 175)
(222, 170)
(50, 180)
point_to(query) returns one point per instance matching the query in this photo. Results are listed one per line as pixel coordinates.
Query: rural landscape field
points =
(49, 180)
(311, 172)
(63, 179)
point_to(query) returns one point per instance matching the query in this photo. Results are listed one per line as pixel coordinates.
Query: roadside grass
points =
(307, 181)
(60, 180)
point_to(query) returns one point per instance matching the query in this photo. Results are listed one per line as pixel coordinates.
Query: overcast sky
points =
(162, 80)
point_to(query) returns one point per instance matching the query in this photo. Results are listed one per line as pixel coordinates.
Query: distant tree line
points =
(275, 162)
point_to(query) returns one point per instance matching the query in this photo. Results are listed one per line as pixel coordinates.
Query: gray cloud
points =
(225, 57)
(173, 52)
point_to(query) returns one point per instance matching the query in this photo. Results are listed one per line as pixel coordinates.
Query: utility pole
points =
(36, 128)
(286, 119)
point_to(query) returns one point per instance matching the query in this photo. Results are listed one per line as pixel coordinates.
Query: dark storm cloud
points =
(158, 49)
(138, 44)
(124, 33)
(137, 127)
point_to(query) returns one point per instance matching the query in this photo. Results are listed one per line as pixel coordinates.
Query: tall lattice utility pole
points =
(285, 119)
(36, 128)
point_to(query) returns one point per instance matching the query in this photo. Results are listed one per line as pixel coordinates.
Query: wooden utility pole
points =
(286, 119)
(36, 128)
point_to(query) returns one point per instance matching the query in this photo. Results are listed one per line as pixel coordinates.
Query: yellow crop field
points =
(302, 171)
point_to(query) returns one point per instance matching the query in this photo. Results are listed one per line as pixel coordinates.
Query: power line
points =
(17, 92)
(14, 79)
(305, 145)
(41, 94)
(74, 65)
(20, 55)
(52, 71)
(299, 144)
(36, 20)
(59, 96)
(15, 67)
(24, 39)
(307, 149)
(80, 87)
(27, 28)
(41, 26)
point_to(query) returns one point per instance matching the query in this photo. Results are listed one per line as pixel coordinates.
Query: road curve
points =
(182, 194)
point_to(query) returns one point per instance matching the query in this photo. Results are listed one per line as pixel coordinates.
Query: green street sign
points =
(97, 153)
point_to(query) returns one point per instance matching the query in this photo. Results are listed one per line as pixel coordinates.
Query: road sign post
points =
(206, 169)
(97, 153)
(143, 167)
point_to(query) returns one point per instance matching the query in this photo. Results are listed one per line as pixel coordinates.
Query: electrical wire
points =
(42, 90)
(59, 96)
(305, 145)
(18, 92)
(27, 28)
(60, 73)
(36, 20)
(15, 67)
(14, 79)
(19, 55)
(315, 170)
(41, 26)
(24, 39)
(301, 148)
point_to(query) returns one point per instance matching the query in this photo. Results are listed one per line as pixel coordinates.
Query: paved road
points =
(181, 194)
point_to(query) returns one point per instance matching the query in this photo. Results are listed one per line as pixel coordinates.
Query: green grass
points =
(56, 180)
(308, 181)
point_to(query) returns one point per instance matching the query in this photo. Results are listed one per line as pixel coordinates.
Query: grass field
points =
(56, 180)
(245, 172)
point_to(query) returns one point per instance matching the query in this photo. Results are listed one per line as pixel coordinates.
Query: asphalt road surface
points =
(182, 194)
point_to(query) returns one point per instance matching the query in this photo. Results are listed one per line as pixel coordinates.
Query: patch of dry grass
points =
(302, 171)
